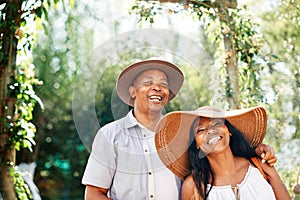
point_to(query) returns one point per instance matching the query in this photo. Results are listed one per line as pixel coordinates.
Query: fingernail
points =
(262, 155)
(263, 161)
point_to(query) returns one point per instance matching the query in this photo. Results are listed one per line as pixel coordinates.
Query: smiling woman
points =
(210, 134)
(212, 151)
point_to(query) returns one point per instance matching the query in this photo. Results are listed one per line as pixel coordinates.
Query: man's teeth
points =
(156, 98)
(214, 140)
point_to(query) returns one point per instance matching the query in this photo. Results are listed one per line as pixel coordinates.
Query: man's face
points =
(150, 91)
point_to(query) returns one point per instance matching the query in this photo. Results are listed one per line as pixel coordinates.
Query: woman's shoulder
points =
(188, 187)
(188, 181)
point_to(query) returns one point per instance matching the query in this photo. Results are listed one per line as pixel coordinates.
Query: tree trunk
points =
(10, 23)
(232, 72)
(232, 88)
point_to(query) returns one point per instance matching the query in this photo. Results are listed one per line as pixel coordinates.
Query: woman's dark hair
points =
(201, 170)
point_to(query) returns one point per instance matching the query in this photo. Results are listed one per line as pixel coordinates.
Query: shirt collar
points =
(131, 120)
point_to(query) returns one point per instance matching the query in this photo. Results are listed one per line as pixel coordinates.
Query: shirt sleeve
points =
(101, 165)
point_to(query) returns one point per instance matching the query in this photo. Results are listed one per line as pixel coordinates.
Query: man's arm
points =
(95, 193)
(275, 181)
(267, 154)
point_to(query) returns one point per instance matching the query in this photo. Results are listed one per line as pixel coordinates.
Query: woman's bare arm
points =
(188, 188)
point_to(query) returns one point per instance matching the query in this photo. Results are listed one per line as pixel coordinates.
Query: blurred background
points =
(68, 61)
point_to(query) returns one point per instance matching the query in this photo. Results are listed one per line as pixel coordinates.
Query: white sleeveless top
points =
(254, 186)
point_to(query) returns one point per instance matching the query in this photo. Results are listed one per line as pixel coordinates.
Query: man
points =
(123, 163)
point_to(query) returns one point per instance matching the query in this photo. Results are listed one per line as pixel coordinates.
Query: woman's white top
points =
(254, 186)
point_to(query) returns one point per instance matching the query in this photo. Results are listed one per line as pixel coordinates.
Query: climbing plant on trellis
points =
(235, 35)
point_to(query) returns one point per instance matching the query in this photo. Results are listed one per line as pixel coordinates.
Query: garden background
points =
(60, 60)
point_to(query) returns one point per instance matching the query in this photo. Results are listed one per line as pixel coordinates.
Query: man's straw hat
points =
(128, 75)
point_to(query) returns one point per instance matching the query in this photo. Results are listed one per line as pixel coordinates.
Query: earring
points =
(230, 134)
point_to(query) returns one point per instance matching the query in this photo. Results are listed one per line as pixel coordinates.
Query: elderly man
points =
(124, 163)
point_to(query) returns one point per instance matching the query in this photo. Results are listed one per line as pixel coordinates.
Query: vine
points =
(219, 22)
(21, 188)
(23, 131)
(18, 82)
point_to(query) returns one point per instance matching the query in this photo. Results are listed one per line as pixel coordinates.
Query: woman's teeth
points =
(214, 140)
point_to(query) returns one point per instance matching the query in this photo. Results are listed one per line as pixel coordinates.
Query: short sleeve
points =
(101, 165)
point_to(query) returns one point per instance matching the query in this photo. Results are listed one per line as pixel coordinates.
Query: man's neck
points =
(149, 120)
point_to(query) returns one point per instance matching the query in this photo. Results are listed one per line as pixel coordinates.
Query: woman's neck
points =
(228, 169)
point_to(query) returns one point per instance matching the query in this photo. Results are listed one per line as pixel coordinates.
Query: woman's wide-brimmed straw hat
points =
(128, 75)
(172, 138)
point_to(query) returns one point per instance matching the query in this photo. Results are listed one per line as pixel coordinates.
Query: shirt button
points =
(146, 150)
(145, 135)
(149, 173)
(151, 196)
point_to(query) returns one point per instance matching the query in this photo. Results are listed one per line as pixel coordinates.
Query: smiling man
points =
(150, 93)
(123, 163)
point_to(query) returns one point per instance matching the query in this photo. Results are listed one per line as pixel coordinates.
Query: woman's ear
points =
(131, 91)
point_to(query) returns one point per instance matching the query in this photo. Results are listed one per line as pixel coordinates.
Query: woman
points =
(217, 159)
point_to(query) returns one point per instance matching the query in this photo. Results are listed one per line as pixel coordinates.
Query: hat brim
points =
(172, 133)
(128, 75)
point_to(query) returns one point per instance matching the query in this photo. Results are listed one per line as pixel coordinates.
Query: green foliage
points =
(147, 10)
(21, 188)
(21, 87)
(17, 19)
(283, 42)
(22, 132)
(280, 26)
(220, 21)
(247, 42)
(62, 156)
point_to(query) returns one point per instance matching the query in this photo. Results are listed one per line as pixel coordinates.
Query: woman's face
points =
(211, 135)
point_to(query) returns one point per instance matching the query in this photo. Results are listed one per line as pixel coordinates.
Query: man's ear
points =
(131, 91)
